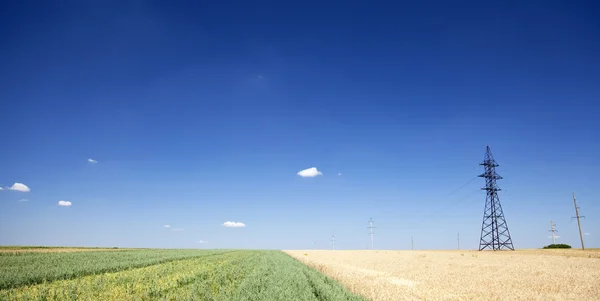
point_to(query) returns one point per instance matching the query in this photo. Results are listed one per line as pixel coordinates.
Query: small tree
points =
(557, 246)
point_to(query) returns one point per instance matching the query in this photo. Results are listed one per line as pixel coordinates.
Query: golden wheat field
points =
(462, 275)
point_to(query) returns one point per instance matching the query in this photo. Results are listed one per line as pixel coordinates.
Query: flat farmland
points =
(156, 274)
(54, 273)
(462, 275)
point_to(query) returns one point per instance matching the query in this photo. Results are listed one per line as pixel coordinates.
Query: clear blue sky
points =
(203, 112)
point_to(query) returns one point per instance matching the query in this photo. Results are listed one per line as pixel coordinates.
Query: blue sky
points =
(199, 113)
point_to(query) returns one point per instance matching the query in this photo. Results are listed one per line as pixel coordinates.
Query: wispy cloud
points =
(202, 241)
(1, 188)
(309, 172)
(23, 200)
(19, 187)
(64, 203)
(167, 226)
(587, 233)
(92, 161)
(234, 224)
(339, 173)
(177, 229)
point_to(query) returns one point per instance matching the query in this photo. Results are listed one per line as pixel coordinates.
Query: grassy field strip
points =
(239, 275)
(33, 268)
(266, 275)
(58, 249)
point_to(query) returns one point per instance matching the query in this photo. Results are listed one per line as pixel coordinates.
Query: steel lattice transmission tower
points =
(494, 230)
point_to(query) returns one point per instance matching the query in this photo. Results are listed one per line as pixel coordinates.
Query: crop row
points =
(238, 275)
(32, 268)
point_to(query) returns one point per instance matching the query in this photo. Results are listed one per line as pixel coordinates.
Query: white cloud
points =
(234, 224)
(64, 203)
(202, 241)
(19, 187)
(92, 161)
(1, 188)
(167, 226)
(177, 229)
(587, 233)
(23, 200)
(339, 173)
(310, 172)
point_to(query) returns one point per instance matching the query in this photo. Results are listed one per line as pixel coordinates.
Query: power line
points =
(578, 222)
(370, 227)
(453, 203)
(462, 186)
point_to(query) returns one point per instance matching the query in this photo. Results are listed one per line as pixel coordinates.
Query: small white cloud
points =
(92, 161)
(234, 224)
(23, 200)
(19, 187)
(339, 173)
(202, 241)
(1, 188)
(310, 172)
(587, 233)
(64, 203)
(177, 229)
(167, 226)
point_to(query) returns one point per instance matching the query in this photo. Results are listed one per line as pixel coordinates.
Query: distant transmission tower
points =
(494, 230)
(333, 241)
(553, 230)
(371, 232)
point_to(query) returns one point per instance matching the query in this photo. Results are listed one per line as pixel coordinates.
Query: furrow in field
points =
(19, 269)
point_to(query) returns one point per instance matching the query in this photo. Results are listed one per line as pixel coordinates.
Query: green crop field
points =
(163, 275)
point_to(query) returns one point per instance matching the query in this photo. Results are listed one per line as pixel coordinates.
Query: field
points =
(163, 275)
(18, 249)
(28, 273)
(462, 275)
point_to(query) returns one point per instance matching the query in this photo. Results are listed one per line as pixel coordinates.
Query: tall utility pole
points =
(494, 230)
(552, 225)
(412, 243)
(371, 232)
(458, 241)
(333, 241)
(578, 222)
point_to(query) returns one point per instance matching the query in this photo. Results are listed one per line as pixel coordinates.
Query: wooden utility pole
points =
(578, 222)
